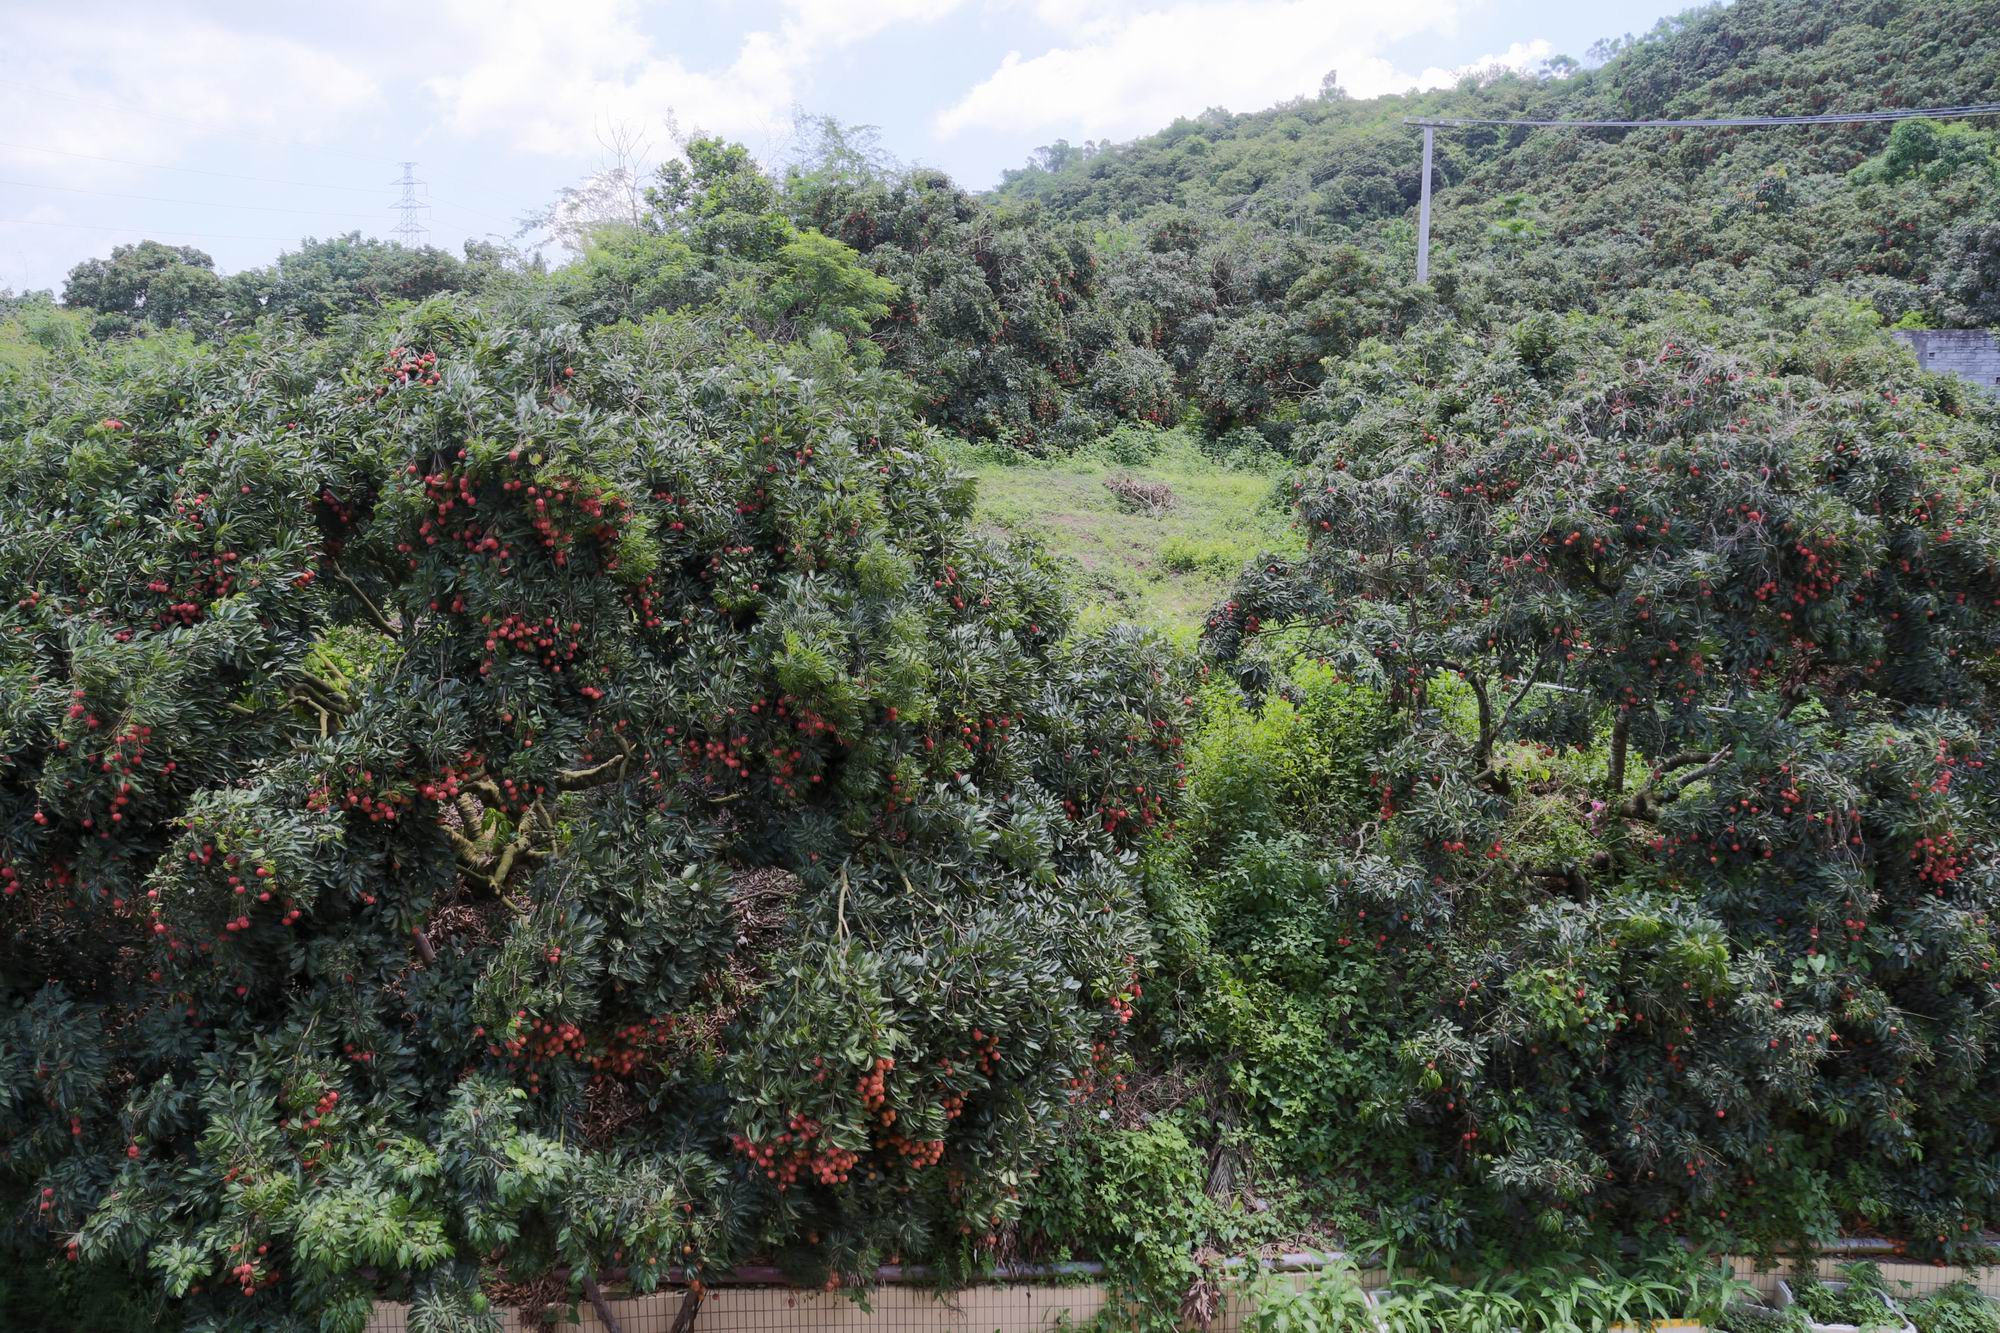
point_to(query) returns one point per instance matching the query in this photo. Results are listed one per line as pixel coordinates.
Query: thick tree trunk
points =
(603, 1307)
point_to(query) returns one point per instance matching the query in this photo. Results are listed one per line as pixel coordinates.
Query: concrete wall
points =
(1019, 1308)
(1970, 354)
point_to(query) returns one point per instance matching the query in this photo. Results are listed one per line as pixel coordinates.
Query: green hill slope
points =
(1264, 204)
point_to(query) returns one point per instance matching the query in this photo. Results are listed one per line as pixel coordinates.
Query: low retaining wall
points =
(1011, 1309)
(1026, 1307)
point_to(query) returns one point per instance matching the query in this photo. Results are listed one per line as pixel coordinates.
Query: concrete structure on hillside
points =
(1970, 354)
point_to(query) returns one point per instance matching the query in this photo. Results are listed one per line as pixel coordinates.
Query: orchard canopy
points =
(514, 777)
(1684, 862)
(480, 795)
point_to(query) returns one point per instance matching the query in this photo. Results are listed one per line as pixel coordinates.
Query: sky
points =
(240, 126)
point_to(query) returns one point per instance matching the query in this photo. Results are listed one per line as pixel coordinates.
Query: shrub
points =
(1300, 757)
(1194, 555)
(1333, 1302)
(1135, 1199)
(1132, 444)
(1242, 446)
(1957, 1308)
(1574, 1296)
(1856, 1298)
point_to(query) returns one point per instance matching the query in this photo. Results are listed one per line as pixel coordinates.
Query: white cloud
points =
(1126, 69)
(146, 83)
(544, 74)
(1522, 56)
(809, 23)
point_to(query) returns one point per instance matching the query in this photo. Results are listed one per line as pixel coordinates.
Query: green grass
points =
(1166, 571)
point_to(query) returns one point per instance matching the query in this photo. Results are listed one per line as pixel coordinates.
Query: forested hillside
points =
(1620, 221)
(518, 777)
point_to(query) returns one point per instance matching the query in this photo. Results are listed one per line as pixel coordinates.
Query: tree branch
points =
(1711, 766)
(1567, 877)
(485, 864)
(492, 864)
(690, 1310)
(518, 848)
(1645, 801)
(1486, 734)
(368, 607)
(1534, 677)
(602, 1306)
(1682, 760)
(477, 855)
(321, 695)
(577, 779)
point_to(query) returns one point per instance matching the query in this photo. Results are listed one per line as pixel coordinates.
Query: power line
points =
(1727, 122)
(474, 212)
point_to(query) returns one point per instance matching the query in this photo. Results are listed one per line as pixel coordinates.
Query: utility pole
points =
(1424, 214)
(410, 229)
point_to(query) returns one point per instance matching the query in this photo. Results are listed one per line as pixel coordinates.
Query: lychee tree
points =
(998, 316)
(1693, 652)
(496, 800)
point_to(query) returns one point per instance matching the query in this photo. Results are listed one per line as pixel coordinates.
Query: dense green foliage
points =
(1573, 1296)
(1858, 1297)
(155, 286)
(1587, 220)
(508, 771)
(505, 796)
(1685, 821)
(1957, 1308)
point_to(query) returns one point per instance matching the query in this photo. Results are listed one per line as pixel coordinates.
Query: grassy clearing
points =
(1162, 569)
